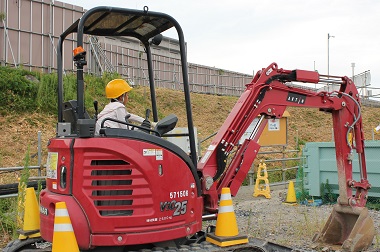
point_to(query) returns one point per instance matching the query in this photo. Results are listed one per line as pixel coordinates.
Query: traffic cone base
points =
(291, 198)
(290, 204)
(226, 230)
(31, 222)
(226, 241)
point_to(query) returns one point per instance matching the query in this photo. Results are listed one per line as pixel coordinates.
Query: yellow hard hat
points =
(376, 130)
(116, 88)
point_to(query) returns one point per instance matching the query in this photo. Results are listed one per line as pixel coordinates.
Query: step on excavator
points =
(128, 190)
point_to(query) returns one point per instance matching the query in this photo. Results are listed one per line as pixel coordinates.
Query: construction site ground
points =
(292, 226)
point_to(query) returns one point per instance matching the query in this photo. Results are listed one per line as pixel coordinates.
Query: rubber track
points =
(254, 245)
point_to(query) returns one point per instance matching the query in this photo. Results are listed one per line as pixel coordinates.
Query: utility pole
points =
(315, 71)
(328, 59)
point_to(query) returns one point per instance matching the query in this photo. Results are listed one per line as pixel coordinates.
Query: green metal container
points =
(320, 166)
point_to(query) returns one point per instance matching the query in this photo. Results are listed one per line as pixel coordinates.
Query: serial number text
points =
(179, 194)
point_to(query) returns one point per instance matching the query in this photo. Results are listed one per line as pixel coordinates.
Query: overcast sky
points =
(247, 35)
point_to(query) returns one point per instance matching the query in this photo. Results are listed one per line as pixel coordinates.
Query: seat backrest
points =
(70, 114)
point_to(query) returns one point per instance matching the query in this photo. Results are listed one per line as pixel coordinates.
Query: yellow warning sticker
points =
(52, 165)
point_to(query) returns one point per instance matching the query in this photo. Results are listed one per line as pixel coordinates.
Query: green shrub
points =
(17, 91)
(12, 209)
(47, 97)
(373, 203)
(24, 91)
(47, 93)
(327, 194)
(8, 207)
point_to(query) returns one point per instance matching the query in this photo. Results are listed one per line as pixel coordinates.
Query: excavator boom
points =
(267, 96)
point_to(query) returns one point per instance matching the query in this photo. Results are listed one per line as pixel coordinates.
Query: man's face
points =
(125, 99)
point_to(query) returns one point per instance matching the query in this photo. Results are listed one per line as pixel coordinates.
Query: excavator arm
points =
(267, 96)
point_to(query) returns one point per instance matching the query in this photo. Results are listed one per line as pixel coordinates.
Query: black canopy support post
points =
(151, 81)
(60, 67)
(60, 78)
(186, 89)
(80, 94)
(80, 81)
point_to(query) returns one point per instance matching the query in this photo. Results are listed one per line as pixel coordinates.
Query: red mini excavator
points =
(132, 189)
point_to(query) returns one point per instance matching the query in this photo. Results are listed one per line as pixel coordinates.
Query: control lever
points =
(127, 117)
(147, 114)
(146, 122)
(96, 109)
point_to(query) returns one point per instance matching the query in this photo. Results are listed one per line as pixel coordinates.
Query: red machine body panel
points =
(78, 217)
(126, 190)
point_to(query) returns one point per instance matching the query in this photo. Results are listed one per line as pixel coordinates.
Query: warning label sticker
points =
(158, 153)
(51, 165)
(274, 125)
(149, 152)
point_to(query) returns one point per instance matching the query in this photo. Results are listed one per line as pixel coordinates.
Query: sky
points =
(248, 35)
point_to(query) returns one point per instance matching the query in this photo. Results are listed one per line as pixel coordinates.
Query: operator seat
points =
(70, 114)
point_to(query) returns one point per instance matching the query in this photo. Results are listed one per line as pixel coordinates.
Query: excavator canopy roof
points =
(115, 22)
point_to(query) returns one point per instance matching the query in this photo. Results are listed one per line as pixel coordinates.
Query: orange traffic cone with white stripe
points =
(63, 238)
(226, 231)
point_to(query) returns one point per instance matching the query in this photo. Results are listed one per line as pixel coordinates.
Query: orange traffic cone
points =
(63, 238)
(291, 196)
(226, 231)
(31, 222)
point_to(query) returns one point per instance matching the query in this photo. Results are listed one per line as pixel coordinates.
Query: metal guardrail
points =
(11, 190)
(283, 167)
(32, 180)
(371, 103)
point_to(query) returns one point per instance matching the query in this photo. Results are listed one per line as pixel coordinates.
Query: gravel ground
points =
(292, 226)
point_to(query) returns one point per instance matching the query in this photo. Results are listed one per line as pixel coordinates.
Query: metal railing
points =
(38, 167)
(282, 161)
(282, 167)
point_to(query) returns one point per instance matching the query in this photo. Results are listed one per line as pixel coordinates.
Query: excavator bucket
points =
(348, 226)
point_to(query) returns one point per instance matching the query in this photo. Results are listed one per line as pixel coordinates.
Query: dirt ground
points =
(292, 226)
